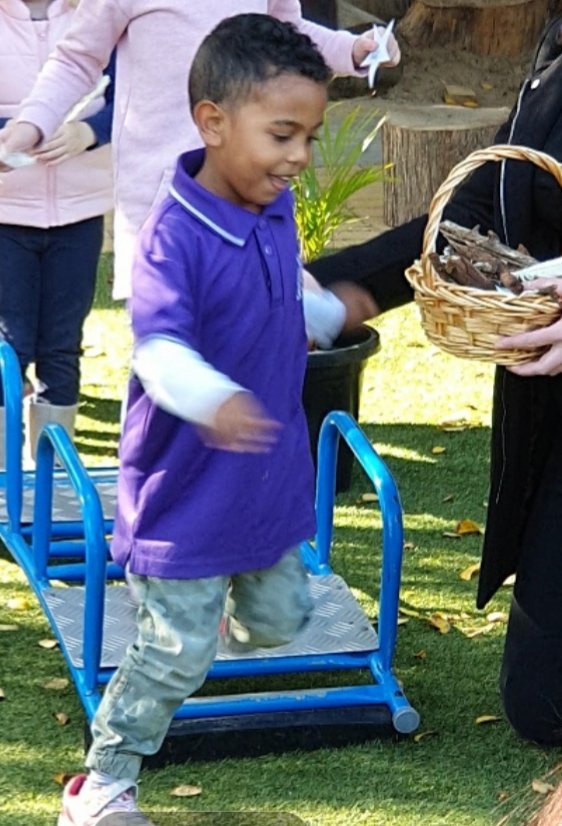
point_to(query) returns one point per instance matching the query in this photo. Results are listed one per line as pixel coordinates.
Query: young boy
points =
(216, 479)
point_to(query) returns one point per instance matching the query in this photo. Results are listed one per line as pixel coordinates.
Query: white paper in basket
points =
(542, 269)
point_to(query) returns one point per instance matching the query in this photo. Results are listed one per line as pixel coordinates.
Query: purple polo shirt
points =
(226, 283)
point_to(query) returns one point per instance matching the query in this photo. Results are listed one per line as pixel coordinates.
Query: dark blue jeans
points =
(47, 285)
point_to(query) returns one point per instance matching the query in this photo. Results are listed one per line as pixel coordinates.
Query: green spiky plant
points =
(323, 190)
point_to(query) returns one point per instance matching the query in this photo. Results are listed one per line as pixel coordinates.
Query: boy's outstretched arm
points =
(178, 380)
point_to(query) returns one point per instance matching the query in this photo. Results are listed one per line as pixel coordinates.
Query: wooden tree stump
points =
(422, 144)
(487, 27)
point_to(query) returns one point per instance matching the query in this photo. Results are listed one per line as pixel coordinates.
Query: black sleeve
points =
(102, 121)
(378, 265)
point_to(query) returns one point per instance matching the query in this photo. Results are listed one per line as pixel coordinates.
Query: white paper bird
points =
(19, 159)
(379, 55)
(542, 269)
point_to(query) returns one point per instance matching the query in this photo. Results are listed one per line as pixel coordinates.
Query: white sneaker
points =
(111, 805)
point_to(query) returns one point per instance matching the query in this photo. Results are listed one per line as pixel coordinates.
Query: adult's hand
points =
(368, 42)
(69, 140)
(15, 137)
(550, 363)
(359, 304)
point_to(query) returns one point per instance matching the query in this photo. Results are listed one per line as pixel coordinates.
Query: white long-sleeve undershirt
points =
(177, 379)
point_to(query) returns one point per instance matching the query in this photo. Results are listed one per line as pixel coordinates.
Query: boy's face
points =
(265, 141)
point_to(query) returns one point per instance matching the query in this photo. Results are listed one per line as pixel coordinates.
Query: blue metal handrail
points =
(336, 425)
(12, 389)
(54, 439)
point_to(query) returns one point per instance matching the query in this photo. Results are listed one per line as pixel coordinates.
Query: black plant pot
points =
(333, 381)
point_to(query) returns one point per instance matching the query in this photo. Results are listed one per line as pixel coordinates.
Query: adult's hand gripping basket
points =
(466, 321)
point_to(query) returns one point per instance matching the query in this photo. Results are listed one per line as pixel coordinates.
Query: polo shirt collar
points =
(231, 222)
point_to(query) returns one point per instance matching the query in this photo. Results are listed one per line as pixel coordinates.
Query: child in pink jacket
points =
(51, 219)
(155, 46)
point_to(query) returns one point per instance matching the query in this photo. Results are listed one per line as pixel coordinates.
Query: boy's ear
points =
(209, 119)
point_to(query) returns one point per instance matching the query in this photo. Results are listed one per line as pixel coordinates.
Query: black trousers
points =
(531, 674)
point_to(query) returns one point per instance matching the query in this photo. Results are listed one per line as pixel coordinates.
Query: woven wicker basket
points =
(466, 321)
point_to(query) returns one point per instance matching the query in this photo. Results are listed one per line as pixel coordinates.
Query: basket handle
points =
(478, 158)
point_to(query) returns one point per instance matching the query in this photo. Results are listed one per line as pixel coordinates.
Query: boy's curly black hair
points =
(250, 49)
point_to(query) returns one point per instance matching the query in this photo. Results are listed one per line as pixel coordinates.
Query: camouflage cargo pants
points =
(177, 631)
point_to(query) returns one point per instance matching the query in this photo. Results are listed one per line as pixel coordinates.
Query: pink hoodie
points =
(39, 195)
(152, 125)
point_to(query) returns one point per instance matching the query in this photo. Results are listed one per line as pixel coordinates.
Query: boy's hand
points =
(359, 304)
(367, 43)
(242, 426)
(17, 137)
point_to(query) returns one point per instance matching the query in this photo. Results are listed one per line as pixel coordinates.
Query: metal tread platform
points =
(338, 624)
(66, 507)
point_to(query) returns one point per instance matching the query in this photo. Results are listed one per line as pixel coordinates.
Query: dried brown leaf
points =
(469, 572)
(542, 787)
(466, 527)
(48, 644)
(487, 718)
(440, 623)
(477, 632)
(496, 616)
(62, 718)
(421, 655)
(56, 684)
(424, 735)
(62, 778)
(186, 791)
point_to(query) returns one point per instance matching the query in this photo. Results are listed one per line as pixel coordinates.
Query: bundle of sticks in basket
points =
(481, 261)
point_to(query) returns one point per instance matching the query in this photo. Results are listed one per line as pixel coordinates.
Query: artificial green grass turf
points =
(452, 777)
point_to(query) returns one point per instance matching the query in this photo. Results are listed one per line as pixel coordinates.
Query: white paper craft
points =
(542, 269)
(379, 55)
(19, 159)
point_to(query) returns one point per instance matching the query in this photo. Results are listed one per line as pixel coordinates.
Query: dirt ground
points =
(423, 74)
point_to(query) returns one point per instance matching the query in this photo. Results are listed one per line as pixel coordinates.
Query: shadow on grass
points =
(102, 410)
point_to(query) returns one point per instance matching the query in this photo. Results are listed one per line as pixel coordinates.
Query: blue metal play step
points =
(88, 606)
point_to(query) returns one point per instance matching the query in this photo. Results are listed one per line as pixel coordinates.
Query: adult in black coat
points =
(523, 205)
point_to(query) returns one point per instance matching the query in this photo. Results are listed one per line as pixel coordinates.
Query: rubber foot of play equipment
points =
(406, 720)
(252, 735)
